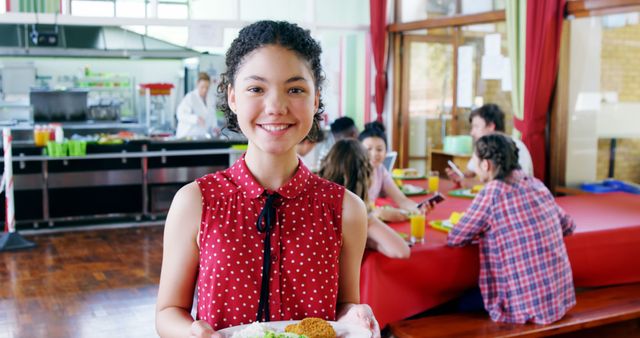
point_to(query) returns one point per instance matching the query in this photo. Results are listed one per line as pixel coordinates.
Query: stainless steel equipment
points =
(59, 105)
(158, 103)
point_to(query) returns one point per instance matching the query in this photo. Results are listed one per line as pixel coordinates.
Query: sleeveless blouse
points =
(305, 247)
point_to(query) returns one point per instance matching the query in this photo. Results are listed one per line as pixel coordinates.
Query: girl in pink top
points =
(374, 140)
(265, 239)
(347, 164)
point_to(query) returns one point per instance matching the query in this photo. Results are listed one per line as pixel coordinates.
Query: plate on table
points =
(412, 190)
(342, 330)
(463, 193)
(442, 225)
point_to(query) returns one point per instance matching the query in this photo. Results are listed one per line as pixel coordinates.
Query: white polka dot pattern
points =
(305, 248)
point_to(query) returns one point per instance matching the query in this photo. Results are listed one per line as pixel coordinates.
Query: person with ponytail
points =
(525, 275)
(347, 164)
(374, 139)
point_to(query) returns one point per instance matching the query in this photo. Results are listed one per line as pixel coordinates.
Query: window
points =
(418, 10)
(130, 9)
(447, 70)
(290, 10)
(603, 132)
(487, 46)
(214, 9)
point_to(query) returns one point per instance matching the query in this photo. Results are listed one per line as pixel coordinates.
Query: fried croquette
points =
(312, 328)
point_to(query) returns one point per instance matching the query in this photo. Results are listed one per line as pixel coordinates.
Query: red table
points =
(604, 250)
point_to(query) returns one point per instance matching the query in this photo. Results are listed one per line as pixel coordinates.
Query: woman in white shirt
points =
(197, 111)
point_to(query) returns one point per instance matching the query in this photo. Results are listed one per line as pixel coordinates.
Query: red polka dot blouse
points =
(305, 247)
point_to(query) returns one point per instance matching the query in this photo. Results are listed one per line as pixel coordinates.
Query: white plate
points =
(342, 330)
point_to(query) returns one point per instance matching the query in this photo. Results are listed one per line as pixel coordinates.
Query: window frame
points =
(399, 31)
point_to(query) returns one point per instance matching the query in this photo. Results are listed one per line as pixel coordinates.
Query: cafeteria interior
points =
(566, 75)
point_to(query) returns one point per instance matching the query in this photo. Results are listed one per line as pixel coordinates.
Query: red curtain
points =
(544, 26)
(378, 24)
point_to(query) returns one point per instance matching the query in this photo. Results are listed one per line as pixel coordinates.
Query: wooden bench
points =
(603, 312)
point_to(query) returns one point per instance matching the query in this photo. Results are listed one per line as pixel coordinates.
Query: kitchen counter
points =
(133, 180)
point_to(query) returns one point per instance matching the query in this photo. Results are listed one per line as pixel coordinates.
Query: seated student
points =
(375, 141)
(343, 127)
(347, 164)
(525, 275)
(486, 120)
(340, 128)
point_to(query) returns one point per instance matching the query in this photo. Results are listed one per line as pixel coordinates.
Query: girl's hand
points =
(392, 214)
(202, 329)
(453, 176)
(360, 315)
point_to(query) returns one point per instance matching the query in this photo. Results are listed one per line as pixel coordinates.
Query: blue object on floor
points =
(611, 185)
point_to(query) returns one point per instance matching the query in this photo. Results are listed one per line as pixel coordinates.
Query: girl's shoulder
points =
(217, 184)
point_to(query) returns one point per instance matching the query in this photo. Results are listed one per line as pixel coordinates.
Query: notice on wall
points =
(492, 44)
(492, 67)
(465, 76)
(506, 75)
(205, 34)
(588, 101)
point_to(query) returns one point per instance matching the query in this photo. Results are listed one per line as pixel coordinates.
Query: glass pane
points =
(92, 8)
(430, 90)
(130, 8)
(214, 9)
(479, 6)
(290, 10)
(416, 10)
(171, 11)
(483, 46)
(603, 136)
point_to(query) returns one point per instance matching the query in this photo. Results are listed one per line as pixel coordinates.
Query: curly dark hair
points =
(373, 129)
(263, 33)
(501, 150)
(490, 113)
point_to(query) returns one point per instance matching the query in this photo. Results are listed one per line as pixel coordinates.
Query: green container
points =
(461, 144)
(77, 148)
(56, 149)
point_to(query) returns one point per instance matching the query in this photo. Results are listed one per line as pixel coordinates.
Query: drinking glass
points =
(417, 227)
(434, 181)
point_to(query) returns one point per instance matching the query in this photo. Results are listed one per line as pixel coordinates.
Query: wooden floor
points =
(100, 283)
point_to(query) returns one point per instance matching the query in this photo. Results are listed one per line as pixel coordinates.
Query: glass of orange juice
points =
(417, 227)
(434, 181)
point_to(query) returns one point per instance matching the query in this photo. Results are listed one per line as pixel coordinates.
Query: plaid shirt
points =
(525, 275)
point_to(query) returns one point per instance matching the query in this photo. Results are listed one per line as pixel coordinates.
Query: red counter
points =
(604, 250)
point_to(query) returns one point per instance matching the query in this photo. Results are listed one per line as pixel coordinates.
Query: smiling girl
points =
(266, 239)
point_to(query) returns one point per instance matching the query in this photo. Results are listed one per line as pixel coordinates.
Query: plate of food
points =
(406, 174)
(412, 190)
(447, 224)
(308, 327)
(466, 193)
